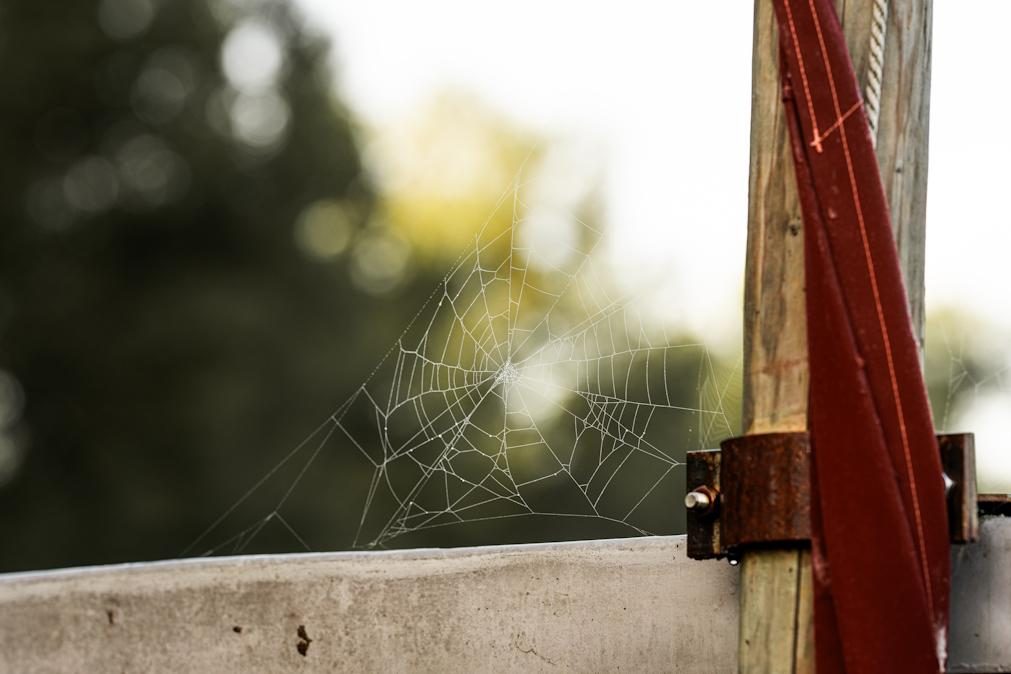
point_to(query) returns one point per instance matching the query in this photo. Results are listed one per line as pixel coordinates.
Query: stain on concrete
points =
(303, 644)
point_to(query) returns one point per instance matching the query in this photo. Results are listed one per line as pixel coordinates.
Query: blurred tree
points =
(191, 259)
(964, 358)
(446, 167)
(177, 190)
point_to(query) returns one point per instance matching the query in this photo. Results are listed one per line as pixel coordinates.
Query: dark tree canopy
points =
(165, 327)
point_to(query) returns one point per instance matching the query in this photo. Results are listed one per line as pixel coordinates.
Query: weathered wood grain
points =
(776, 633)
(775, 338)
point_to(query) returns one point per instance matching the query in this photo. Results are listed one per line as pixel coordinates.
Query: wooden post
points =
(776, 628)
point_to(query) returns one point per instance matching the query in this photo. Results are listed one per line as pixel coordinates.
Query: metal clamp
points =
(755, 491)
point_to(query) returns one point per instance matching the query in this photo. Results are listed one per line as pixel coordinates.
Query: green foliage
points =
(167, 329)
(963, 359)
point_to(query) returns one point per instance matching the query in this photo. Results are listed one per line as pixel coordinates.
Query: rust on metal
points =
(703, 526)
(765, 482)
(958, 459)
(995, 505)
(755, 492)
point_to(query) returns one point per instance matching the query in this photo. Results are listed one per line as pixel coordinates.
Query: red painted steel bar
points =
(880, 542)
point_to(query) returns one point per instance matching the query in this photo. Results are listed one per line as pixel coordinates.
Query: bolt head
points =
(697, 500)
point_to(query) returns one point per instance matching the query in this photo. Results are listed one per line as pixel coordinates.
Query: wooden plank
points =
(775, 338)
(776, 583)
(776, 633)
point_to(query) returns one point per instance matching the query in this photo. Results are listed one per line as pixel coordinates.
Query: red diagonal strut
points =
(880, 545)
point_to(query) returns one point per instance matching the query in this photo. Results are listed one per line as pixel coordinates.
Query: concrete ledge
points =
(980, 639)
(634, 605)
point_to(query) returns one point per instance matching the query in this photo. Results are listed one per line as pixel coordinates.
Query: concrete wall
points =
(634, 605)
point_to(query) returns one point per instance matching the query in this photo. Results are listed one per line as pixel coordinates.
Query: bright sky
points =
(665, 89)
(665, 95)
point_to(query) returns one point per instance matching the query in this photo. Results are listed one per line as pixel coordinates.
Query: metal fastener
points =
(701, 500)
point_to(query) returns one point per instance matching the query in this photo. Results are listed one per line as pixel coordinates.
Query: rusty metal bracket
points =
(958, 460)
(995, 505)
(703, 524)
(755, 491)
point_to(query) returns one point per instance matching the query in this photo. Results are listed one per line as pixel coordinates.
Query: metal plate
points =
(703, 528)
(958, 458)
(766, 485)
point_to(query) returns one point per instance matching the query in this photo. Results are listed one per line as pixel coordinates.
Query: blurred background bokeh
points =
(217, 217)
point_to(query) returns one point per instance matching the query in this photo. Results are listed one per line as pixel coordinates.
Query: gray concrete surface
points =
(633, 605)
(980, 638)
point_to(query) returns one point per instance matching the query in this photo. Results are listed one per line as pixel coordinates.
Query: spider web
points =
(967, 379)
(970, 368)
(525, 386)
